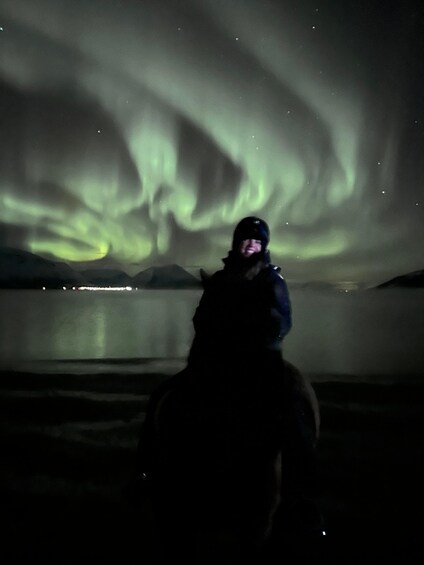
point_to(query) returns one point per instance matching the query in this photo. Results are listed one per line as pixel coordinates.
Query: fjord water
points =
(364, 333)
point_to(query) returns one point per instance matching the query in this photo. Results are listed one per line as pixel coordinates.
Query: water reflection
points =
(373, 332)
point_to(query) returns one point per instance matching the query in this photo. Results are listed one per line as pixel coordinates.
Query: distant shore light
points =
(114, 288)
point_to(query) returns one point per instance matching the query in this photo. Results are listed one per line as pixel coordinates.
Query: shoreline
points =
(133, 367)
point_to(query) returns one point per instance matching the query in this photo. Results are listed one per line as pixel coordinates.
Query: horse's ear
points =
(204, 277)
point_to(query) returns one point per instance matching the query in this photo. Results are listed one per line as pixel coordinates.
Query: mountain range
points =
(410, 280)
(21, 269)
(24, 270)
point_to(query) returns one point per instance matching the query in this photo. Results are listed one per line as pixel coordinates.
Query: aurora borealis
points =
(139, 132)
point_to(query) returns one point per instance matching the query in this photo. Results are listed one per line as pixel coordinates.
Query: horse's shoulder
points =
(303, 389)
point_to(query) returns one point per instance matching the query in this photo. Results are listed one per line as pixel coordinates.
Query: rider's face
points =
(250, 246)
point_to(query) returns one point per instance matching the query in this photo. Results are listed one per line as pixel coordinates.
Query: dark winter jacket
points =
(244, 312)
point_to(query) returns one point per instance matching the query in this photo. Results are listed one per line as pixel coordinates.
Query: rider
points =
(240, 324)
(245, 312)
(242, 317)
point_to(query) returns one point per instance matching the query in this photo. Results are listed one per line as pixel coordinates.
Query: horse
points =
(219, 483)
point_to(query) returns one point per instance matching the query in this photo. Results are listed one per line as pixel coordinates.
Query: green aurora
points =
(140, 132)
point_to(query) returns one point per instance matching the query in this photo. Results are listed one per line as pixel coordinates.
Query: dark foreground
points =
(67, 449)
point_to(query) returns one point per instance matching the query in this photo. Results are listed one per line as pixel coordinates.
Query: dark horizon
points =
(162, 275)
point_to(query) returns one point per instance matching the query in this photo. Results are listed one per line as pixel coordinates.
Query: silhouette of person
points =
(240, 323)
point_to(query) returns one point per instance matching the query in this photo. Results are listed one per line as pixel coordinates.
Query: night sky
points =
(139, 132)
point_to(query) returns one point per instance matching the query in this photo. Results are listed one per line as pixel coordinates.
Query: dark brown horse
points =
(219, 465)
